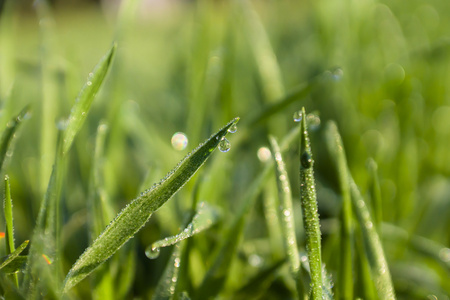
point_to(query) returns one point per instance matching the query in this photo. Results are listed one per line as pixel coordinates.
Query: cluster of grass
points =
(350, 201)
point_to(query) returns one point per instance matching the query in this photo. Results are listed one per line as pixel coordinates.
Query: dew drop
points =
(62, 124)
(89, 83)
(306, 160)
(233, 128)
(444, 254)
(298, 116)
(224, 145)
(263, 154)
(313, 121)
(151, 252)
(255, 260)
(337, 74)
(179, 141)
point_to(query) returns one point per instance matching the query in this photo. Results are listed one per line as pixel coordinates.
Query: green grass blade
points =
(372, 245)
(287, 215)
(344, 287)
(205, 217)
(16, 265)
(84, 100)
(9, 234)
(167, 283)
(8, 134)
(375, 192)
(309, 208)
(137, 213)
(11, 257)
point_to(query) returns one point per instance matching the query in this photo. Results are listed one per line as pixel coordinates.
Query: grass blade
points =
(84, 100)
(8, 134)
(137, 213)
(345, 276)
(372, 245)
(309, 209)
(9, 234)
(16, 265)
(375, 193)
(205, 217)
(287, 213)
(13, 256)
(168, 281)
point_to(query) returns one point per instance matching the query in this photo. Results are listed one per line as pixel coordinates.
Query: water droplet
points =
(255, 260)
(444, 254)
(337, 74)
(62, 124)
(151, 252)
(286, 212)
(263, 154)
(177, 262)
(224, 145)
(233, 128)
(89, 83)
(298, 116)
(313, 121)
(179, 141)
(306, 160)
(91, 75)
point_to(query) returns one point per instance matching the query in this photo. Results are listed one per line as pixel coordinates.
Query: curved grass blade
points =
(137, 213)
(13, 256)
(287, 213)
(9, 234)
(309, 208)
(16, 265)
(167, 284)
(372, 245)
(336, 149)
(8, 134)
(205, 217)
(375, 192)
(84, 100)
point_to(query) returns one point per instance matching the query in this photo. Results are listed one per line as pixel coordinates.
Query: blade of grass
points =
(287, 213)
(205, 217)
(375, 192)
(345, 276)
(13, 256)
(9, 234)
(372, 245)
(167, 283)
(8, 134)
(309, 209)
(85, 98)
(137, 213)
(16, 265)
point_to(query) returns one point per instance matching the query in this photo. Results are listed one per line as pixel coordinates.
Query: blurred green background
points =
(192, 66)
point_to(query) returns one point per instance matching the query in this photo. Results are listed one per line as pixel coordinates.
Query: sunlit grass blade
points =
(364, 283)
(287, 215)
(9, 234)
(372, 245)
(327, 286)
(345, 276)
(84, 100)
(167, 283)
(13, 256)
(137, 213)
(205, 217)
(308, 200)
(8, 134)
(375, 193)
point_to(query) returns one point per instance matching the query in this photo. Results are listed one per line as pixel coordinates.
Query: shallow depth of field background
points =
(191, 66)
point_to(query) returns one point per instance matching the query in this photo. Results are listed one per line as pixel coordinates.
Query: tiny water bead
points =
(224, 145)
(298, 116)
(233, 128)
(313, 121)
(152, 252)
(264, 154)
(179, 141)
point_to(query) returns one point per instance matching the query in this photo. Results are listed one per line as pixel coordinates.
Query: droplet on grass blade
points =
(224, 145)
(306, 160)
(313, 121)
(152, 253)
(298, 116)
(232, 129)
(179, 141)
